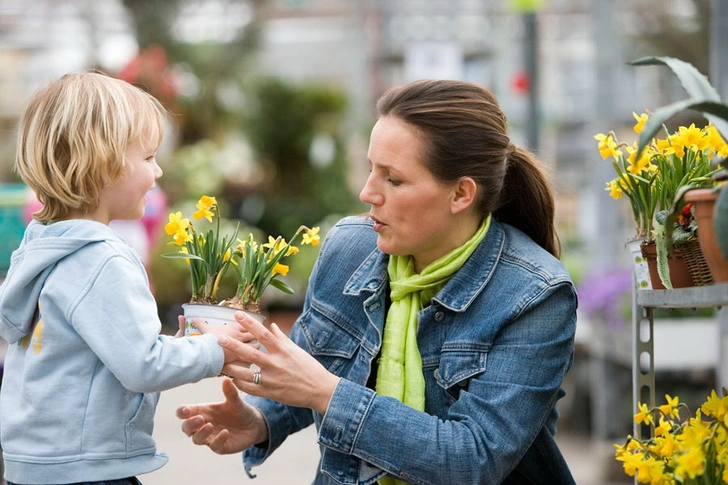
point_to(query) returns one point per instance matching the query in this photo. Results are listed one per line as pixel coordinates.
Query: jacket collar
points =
(459, 292)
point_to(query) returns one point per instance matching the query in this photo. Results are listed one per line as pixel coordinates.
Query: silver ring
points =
(256, 377)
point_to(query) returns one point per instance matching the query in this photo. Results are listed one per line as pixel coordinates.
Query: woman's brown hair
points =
(466, 135)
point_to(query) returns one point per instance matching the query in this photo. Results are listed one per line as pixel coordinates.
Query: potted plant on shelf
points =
(210, 255)
(651, 178)
(711, 203)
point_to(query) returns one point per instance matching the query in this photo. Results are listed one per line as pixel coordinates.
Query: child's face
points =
(126, 199)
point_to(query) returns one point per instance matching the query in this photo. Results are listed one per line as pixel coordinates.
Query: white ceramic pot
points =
(213, 315)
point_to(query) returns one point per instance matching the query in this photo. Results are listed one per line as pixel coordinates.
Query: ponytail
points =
(526, 201)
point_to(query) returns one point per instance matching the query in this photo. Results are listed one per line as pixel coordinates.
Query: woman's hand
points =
(227, 427)
(287, 373)
(232, 330)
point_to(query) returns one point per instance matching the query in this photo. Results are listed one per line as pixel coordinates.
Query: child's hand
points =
(181, 322)
(233, 330)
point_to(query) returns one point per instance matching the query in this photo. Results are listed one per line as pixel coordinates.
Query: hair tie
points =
(510, 148)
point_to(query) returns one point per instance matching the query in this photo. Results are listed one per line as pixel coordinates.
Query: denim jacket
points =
(496, 343)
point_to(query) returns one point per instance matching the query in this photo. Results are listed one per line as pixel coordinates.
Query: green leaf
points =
(281, 286)
(695, 83)
(663, 269)
(182, 256)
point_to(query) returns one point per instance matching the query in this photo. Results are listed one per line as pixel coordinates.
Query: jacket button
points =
(439, 316)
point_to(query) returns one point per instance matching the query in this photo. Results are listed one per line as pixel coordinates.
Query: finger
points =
(230, 392)
(237, 374)
(186, 411)
(217, 444)
(180, 326)
(202, 436)
(193, 425)
(251, 325)
(200, 324)
(244, 352)
(276, 331)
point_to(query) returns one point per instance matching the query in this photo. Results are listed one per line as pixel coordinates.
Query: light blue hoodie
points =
(85, 362)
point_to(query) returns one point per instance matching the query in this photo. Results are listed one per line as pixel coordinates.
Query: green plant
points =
(704, 98)
(682, 448)
(208, 254)
(652, 177)
(259, 265)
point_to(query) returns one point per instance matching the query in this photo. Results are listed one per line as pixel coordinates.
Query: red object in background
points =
(150, 69)
(520, 83)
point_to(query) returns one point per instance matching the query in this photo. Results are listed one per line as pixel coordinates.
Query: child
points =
(86, 362)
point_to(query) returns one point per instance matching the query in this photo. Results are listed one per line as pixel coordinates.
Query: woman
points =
(441, 326)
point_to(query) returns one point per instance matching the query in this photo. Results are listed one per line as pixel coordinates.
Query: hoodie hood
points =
(42, 247)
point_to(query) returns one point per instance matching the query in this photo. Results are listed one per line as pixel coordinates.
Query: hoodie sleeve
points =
(117, 317)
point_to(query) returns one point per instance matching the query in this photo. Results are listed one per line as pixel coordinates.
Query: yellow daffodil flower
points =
(715, 406)
(280, 269)
(176, 223)
(671, 407)
(641, 120)
(311, 236)
(644, 415)
(607, 146)
(615, 191)
(204, 208)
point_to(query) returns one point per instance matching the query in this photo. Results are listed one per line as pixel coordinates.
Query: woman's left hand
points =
(287, 373)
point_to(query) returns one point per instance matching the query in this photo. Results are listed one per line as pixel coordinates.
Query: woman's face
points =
(413, 213)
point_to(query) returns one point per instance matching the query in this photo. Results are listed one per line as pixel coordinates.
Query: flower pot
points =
(641, 270)
(213, 315)
(704, 204)
(720, 220)
(679, 273)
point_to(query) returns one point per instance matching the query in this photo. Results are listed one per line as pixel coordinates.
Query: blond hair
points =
(73, 136)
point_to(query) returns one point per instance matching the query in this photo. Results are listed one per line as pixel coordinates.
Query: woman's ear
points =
(464, 194)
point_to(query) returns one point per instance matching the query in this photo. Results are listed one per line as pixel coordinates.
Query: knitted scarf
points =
(400, 366)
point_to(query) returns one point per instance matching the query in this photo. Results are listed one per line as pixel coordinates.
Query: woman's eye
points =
(394, 182)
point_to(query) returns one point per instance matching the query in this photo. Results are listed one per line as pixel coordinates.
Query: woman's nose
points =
(368, 195)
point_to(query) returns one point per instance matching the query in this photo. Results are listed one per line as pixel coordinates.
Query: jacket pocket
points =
(139, 427)
(457, 366)
(329, 338)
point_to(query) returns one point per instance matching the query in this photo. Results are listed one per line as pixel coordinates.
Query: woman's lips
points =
(378, 225)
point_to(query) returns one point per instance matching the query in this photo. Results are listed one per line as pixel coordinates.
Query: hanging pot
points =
(704, 203)
(679, 273)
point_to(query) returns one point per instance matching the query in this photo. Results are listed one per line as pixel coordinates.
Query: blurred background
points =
(272, 102)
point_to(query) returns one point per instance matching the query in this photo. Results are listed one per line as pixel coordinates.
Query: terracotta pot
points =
(679, 272)
(212, 314)
(704, 200)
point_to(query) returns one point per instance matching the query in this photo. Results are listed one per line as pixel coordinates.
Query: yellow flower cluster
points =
(692, 451)
(652, 180)
(210, 256)
(260, 265)
(207, 254)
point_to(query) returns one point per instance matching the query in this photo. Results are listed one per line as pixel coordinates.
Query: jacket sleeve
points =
(490, 426)
(117, 317)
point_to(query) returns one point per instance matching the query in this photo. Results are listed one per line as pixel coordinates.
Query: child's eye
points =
(394, 182)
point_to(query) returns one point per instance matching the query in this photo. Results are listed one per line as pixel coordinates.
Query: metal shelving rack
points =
(643, 304)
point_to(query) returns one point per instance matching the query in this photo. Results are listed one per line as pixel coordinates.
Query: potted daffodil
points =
(210, 255)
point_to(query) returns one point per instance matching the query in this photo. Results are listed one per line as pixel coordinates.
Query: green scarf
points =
(400, 367)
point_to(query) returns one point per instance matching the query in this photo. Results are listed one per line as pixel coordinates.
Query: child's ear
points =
(463, 195)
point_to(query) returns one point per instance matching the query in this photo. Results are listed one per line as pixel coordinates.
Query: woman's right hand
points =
(227, 427)
(233, 330)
